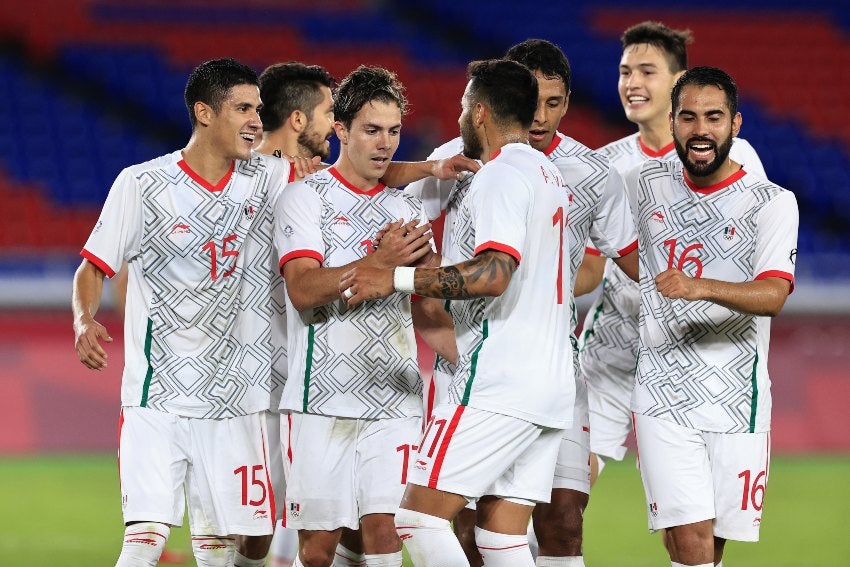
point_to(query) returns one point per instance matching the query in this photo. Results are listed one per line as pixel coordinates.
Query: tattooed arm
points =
(486, 275)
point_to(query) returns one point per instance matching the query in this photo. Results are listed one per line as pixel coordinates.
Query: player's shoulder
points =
(167, 161)
(448, 149)
(624, 146)
(571, 151)
(765, 190)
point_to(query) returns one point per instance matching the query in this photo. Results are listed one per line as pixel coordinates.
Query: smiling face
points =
(552, 103)
(235, 126)
(313, 141)
(703, 128)
(645, 84)
(370, 143)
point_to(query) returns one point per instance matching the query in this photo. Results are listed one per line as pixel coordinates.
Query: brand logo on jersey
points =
(294, 509)
(181, 228)
(420, 464)
(288, 231)
(653, 509)
(403, 537)
(756, 522)
(249, 212)
(340, 219)
(657, 217)
(729, 232)
(213, 546)
(98, 226)
(260, 514)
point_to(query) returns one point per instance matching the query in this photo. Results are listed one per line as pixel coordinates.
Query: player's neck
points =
(347, 170)
(210, 165)
(495, 139)
(278, 142)
(727, 170)
(655, 137)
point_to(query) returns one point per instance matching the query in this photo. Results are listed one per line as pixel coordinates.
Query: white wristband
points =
(403, 279)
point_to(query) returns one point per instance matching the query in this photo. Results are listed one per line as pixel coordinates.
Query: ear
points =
(736, 124)
(341, 132)
(671, 121)
(298, 121)
(203, 113)
(566, 103)
(480, 114)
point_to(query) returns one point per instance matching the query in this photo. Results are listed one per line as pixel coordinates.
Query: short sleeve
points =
(501, 199)
(297, 224)
(117, 234)
(612, 231)
(776, 238)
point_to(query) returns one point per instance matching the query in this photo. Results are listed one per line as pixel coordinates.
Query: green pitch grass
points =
(66, 511)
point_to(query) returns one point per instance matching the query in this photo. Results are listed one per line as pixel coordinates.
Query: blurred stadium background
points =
(91, 86)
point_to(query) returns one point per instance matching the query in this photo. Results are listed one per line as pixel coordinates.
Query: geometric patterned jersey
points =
(701, 364)
(512, 353)
(361, 362)
(201, 277)
(609, 341)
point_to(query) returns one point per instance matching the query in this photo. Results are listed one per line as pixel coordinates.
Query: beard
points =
(700, 168)
(314, 143)
(472, 147)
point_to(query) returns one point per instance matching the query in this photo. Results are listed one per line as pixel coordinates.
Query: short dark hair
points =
(363, 85)
(211, 81)
(544, 56)
(287, 87)
(703, 77)
(507, 87)
(672, 42)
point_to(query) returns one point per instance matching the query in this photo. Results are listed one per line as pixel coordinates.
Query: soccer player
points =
(355, 409)
(506, 271)
(654, 57)
(195, 229)
(717, 251)
(599, 208)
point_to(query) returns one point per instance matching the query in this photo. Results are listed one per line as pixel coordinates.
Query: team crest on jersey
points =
(249, 212)
(294, 509)
(653, 509)
(729, 232)
(288, 231)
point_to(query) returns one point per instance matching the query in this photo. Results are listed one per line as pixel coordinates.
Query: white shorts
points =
(572, 470)
(340, 469)
(276, 476)
(691, 475)
(218, 466)
(473, 453)
(609, 396)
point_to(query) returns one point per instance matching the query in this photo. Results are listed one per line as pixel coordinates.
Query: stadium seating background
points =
(91, 86)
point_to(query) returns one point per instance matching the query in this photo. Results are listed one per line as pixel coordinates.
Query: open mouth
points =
(380, 161)
(537, 134)
(701, 149)
(248, 137)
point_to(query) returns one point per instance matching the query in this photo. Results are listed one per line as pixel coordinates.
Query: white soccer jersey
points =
(360, 362)
(700, 364)
(611, 327)
(511, 355)
(202, 273)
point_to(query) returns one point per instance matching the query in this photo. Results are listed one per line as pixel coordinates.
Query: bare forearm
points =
(762, 297)
(403, 172)
(589, 274)
(435, 326)
(317, 286)
(486, 275)
(87, 291)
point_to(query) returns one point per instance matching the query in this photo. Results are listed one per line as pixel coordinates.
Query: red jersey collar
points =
(655, 153)
(556, 140)
(203, 182)
(717, 186)
(370, 192)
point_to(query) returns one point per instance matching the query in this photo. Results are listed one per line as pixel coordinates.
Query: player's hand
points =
(402, 244)
(303, 166)
(674, 284)
(362, 284)
(454, 167)
(87, 343)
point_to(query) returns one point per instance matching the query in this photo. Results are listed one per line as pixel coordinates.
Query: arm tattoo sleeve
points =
(468, 279)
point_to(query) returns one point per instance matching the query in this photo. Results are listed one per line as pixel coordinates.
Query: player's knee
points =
(559, 527)
(312, 555)
(143, 544)
(213, 551)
